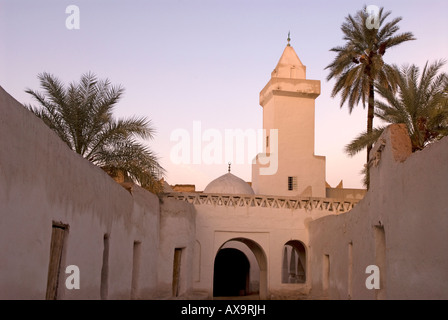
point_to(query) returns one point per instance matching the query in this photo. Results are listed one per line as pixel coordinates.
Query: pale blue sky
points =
(185, 61)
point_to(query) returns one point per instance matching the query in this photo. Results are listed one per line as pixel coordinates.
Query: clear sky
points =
(188, 60)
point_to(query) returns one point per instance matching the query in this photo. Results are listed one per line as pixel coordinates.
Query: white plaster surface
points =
(407, 199)
(41, 181)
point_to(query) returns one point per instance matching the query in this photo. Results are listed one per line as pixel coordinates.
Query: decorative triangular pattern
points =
(333, 206)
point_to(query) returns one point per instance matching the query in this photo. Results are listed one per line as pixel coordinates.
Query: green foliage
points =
(82, 116)
(421, 103)
(359, 62)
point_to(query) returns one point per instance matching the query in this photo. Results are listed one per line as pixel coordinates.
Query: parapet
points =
(392, 147)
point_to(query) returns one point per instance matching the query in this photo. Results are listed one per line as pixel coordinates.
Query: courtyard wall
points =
(400, 226)
(111, 233)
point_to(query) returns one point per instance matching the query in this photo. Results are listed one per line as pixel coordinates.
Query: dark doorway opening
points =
(231, 273)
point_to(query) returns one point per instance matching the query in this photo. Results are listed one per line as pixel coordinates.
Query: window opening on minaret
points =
(292, 183)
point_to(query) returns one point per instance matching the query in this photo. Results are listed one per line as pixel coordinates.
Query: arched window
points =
(294, 262)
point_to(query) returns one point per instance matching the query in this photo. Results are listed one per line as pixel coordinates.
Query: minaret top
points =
(289, 78)
(289, 65)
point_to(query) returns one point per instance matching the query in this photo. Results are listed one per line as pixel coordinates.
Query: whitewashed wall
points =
(407, 203)
(42, 181)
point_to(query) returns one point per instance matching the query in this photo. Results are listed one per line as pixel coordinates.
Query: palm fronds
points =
(82, 116)
(359, 63)
(420, 102)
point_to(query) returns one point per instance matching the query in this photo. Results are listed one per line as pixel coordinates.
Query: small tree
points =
(359, 63)
(421, 103)
(81, 115)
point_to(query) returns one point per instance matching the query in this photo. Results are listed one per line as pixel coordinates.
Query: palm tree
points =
(359, 63)
(421, 103)
(81, 115)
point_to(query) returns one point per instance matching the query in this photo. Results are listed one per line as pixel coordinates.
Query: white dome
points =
(229, 184)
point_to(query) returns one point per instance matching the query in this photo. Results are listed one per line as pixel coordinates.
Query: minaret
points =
(288, 102)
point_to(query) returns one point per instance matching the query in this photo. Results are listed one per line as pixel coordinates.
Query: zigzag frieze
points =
(265, 201)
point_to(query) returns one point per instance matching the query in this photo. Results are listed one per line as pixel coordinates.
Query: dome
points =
(229, 184)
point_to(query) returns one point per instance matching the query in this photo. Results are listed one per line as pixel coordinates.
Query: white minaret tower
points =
(288, 106)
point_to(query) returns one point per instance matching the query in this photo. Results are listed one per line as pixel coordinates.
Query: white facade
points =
(400, 226)
(288, 102)
(265, 224)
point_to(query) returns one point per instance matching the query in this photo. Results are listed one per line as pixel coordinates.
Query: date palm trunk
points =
(370, 115)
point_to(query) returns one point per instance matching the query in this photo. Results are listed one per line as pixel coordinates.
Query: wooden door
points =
(54, 267)
(176, 271)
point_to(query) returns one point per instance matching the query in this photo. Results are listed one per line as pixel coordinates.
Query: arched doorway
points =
(231, 276)
(232, 269)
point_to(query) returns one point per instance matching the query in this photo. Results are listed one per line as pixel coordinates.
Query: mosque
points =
(284, 235)
(264, 222)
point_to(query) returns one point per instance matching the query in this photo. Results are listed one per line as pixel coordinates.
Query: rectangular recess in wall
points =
(135, 269)
(105, 268)
(325, 273)
(197, 261)
(380, 260)
(292, 183)
(176, 271)
(350, 270)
